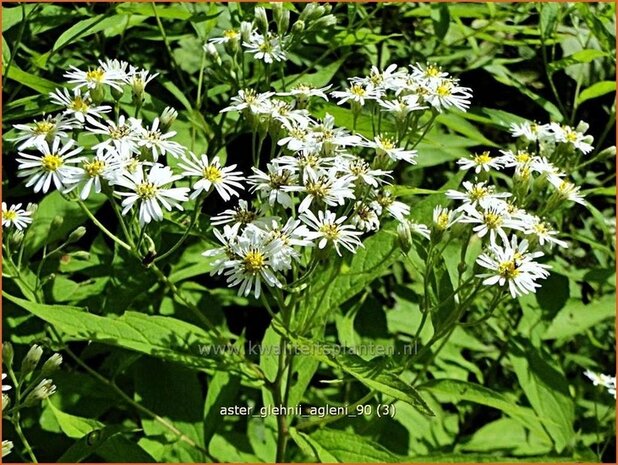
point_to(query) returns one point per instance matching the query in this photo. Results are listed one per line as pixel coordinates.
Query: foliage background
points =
(538, 62)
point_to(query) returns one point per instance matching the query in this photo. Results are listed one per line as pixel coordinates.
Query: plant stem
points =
(22, 437)
(103, 229)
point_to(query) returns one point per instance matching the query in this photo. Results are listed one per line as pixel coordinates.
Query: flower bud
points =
(167, 118)
(246, 28)
(582, 127)
(261, 20)
(16, 238)
(324, 22)
(77, 234)
(32, 207)
(31, 359)
(298, 27)
(41, 392)
(6, 401)
(117, 93)
(7, 447)
(404, 236)
(307, 12)
(7, 353)
(213, 53)
(97, 94)
(51, 364)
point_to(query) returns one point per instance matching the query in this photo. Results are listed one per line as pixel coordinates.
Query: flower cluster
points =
(324, 186)
(608, 382)
(400, 91)
(265, 44)
(126, 157)
(516, 219)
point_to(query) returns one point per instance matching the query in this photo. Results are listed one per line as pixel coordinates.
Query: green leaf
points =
(222, 391)
(173, 394)
(456, 390)
(311, 448)
(51, 206)
(371, 373)
(13, 16)
(549, 17)
(576, 317)
(459, 124)
(348, 447)
(582, 56)
(41, 85)
(73, 426)
(440, 18)
(547, 390)
(597, 89)
(163, 337)
(85, 28)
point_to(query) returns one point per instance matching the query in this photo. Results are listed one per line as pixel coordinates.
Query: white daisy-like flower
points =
(385, 146)
(365, 217)
(444, 218)
(252, 262)
(445, 94)
(303, 92)
(138, 79)
(492, 219)
(567, 190)
(276, 184)
(121, 137)
(480, 162)
(428, 73)
(388, 79)
(356, 93)
(326, 228)
(297, 137)
(359, 170)
(329, 138)
(111, 73)
(385, 201)
(267, 48)
(291, 234)
(304, 163)
(92, 172)
(514, 266)
(542, 230)
(78, 105)
(42, 131)
(325, 187)
(53, 164)
(225, 180)
(607, 381)
(15, 216)
(150, 192)
(250, 100)
(568, 135)
(158, 143)
(229, 35)
(477, 194)
(238, 217)
(402, 106)
(531, 131)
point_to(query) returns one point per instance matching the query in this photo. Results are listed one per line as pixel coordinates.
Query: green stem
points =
(103, 229)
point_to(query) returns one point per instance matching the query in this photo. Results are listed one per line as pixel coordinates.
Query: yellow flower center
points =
(508, 269)
(432, 71)
(10, 215)
(51, 162)
(43, 127)
(442, 221)
(358, 90)
(254, 261)
(522, 157)
(78, 104)
(94, 168)
(482, 159)
(317, 189)
(230, 34)
(492, 220)
(244, 216)
(212, 174)
(120, 132)
(95, 75)
(146, 190)
(330, 230)
(541, 229)
(386, 143)
(385, 200)
(571, 136)
(478, 192)
(444, 90)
